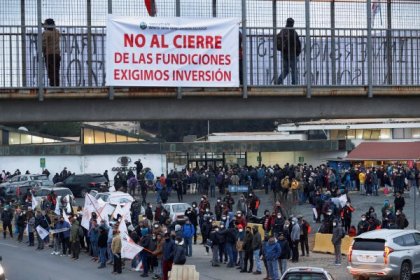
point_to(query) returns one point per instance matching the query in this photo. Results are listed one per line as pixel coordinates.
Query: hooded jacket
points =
(272, 250)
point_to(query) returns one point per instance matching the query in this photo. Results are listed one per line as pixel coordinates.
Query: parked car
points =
(306, 273)
(114, 198)
(81, 184)
(2, 273)
(22, 179)
(176, 210)
(43, 192)
(385, 253)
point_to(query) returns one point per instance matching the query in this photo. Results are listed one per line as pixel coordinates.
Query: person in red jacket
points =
(240, 219)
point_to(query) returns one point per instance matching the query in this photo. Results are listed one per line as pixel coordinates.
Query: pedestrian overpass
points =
(360, 58)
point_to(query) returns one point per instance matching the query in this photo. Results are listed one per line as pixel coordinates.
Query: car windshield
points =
(305, 276)
(39, 177)
(369, 244)
(178, 208)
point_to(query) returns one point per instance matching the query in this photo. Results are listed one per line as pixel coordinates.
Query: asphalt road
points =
(22, 262)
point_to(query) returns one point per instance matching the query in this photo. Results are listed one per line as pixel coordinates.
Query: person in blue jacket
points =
(188, 232)
(272, 252)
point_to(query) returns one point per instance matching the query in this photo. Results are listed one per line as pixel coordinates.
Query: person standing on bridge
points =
(51, 51)
(289, 45)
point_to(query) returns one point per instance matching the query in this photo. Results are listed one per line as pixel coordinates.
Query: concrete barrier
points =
(184, 272)
(323, 244)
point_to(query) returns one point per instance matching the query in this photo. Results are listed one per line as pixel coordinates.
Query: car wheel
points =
(83, 193)
(405, 272)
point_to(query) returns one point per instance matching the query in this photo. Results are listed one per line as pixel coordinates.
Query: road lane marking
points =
(5, 244)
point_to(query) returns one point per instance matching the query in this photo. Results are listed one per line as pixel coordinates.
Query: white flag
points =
(129, 249)
(57, 206)
(122, 228)
(67, 198)
(118, 210)
(91, 205)
(34, 202)
(42, 232)
(126, 214)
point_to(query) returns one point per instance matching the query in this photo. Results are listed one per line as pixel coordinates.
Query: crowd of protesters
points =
(225, 227)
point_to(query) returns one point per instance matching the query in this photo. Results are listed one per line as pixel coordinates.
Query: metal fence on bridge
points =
(344, 42)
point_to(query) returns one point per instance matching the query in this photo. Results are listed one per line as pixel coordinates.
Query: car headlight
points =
(1, 270)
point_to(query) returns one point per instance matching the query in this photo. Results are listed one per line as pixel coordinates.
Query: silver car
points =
(306, 273)
(388, 253)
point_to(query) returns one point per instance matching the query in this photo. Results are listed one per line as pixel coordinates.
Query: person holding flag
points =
(41, 225)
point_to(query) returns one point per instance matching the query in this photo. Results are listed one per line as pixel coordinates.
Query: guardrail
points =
(361, 56)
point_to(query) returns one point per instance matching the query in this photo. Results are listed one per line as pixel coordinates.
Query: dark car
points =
(81, 184)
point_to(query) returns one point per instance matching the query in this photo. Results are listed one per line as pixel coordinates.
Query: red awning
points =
(386, 151)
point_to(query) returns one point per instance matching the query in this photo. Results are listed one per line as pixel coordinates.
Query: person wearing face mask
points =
(285, 253)
(247, 247)
(277, 224)
(267, 221)
(168, 255)
(157, 255)
(400, 220)
(218, 209)
(346, 214)
(240, 235)
(388, 219)
(229, 201)
(221, 235)
(295, 238)
(149, 213)
(272, 252)
(214, 244)
(256, 249)
(240, 219)
(337, 236)
(242, 206)
(205, 232)
(187, 233)
(192, 217)
(363, 225)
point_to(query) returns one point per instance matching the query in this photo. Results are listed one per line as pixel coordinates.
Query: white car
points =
(176, 209)
(310, 273)
(2, 275)
(115, 198)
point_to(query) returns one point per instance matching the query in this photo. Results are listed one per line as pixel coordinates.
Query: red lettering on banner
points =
(197, 42)
(130, 40)
(121, 57)
(158, 42)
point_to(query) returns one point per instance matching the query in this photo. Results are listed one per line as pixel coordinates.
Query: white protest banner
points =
(91, 205)
(126, 212)
(34, 202)
(57, 206)
(122, 228)
(129, 249)
(59, 230)
(172, 52)
(42, 232)
(118, 211)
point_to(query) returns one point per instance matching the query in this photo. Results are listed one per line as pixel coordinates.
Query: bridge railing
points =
(357, 43)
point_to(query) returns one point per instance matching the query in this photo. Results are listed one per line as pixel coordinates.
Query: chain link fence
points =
(344, 42)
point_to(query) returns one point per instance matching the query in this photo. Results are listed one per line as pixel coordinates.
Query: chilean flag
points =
(151, 7)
